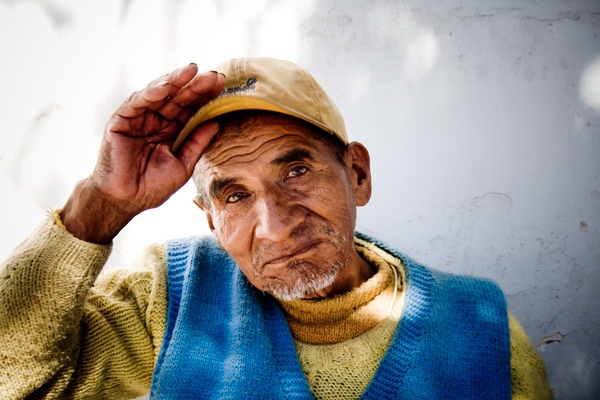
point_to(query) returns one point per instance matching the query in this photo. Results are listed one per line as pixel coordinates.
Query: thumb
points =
(196, 143)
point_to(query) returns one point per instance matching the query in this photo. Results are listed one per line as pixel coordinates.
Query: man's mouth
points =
(286, 256)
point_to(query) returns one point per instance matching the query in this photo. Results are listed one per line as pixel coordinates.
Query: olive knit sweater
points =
(59, 338)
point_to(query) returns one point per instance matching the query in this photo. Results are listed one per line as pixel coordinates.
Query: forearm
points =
(43, 286)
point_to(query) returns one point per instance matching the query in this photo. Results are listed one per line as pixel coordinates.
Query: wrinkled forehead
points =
(247, 136)
(250, 130)
(242, 123)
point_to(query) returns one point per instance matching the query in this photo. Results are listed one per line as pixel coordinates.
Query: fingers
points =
(173, 93)
(178, 78)
(197, 92)
(140, 101)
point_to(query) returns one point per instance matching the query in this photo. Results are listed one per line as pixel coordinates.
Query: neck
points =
(348, 315)
(355, 274)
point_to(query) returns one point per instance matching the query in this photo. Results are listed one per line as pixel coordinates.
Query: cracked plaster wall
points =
(482, 118)
(495, 166)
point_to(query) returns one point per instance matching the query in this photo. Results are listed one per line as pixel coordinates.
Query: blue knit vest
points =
(226, 340)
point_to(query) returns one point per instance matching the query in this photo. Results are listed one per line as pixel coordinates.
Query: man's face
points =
(283, 206)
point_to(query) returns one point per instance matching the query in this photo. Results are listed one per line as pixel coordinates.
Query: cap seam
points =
(312, 96)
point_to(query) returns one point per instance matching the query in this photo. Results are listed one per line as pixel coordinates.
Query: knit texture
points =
(39, 333)
(346, 316)
(344, 370)
(452, 340)
(241, 345)
(224, 339)
(43, 286)
(528, 374)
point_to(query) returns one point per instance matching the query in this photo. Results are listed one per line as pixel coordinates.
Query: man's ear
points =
(358, 162)
(206, 210)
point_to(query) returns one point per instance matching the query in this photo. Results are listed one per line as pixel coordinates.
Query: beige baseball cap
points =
(262, 83)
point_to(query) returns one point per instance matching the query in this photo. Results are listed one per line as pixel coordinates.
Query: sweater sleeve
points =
(528, 373)
(61, 335)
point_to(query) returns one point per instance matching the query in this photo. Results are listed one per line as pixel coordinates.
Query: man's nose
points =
(277, 217)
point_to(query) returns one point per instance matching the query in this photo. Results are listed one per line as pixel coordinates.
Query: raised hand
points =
(136, 169)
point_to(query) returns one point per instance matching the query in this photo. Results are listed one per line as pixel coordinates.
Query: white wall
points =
(482, 118)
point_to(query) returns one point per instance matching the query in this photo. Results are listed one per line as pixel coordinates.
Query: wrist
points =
(93, 216)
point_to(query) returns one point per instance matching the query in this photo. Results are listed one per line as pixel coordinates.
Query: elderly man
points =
(284, 300)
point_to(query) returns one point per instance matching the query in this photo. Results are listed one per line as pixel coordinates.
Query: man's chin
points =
(305, 283)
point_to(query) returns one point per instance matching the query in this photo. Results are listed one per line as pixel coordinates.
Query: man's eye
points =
(235, 197)
(296, 171)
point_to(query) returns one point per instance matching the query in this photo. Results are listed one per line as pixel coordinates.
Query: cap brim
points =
(227, 104)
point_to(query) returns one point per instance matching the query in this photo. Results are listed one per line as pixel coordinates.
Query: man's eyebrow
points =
(292, 155)
(219, 184)
(297, 154)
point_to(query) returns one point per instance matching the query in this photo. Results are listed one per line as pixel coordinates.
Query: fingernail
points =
(192, 63)
(163, 83)
(224, 76)
(207, 73)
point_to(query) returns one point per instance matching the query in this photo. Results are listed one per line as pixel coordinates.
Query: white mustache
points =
(304, 234)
